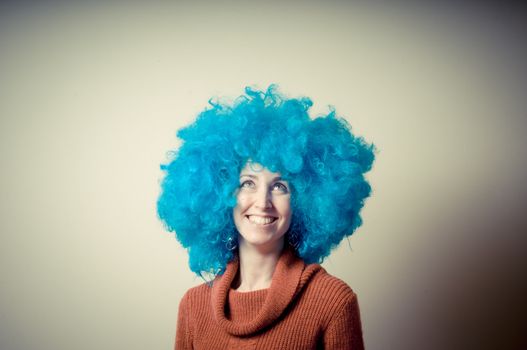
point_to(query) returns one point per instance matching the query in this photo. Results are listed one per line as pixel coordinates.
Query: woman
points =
(259, 193)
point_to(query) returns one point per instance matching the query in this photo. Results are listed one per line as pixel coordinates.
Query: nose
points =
(263, 199)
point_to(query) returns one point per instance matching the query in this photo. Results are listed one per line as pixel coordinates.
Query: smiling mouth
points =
(261, 220)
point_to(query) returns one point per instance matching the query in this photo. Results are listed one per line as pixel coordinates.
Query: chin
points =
(261, 239)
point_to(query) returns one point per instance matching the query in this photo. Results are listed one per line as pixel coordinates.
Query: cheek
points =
(241, 203)
(284, 207)
(287, 213)
(237, 216)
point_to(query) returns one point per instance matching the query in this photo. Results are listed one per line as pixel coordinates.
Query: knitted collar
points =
(290, 276)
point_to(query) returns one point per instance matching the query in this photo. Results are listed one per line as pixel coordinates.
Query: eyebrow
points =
(277, 178)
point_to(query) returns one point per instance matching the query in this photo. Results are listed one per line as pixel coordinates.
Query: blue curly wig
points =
(321, 159)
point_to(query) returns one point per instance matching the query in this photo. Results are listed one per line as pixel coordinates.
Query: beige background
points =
(91, 97)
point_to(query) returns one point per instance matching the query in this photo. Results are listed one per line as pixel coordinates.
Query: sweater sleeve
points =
(344, 331)
(183, 333)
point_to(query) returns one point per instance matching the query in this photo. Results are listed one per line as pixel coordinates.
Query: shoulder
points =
(196, 294)
(330, 291)
(337, 301)
(328, 285)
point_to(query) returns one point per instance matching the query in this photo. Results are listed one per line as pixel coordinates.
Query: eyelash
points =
(242, 185)
(281, 186)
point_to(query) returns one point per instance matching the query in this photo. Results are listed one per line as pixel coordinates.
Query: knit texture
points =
(304, 308)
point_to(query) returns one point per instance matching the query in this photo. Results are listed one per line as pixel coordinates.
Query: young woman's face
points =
(263, 211)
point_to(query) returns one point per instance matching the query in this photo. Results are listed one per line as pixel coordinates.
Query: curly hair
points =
(321, 159)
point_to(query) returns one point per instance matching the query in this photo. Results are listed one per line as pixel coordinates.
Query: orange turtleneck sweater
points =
(305, 308)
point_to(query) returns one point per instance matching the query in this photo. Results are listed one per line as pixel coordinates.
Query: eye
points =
(280, 187)
(247, 184)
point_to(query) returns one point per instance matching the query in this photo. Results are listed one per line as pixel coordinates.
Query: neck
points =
(256, 267)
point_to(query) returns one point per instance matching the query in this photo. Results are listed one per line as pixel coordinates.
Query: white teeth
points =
(261, 220)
